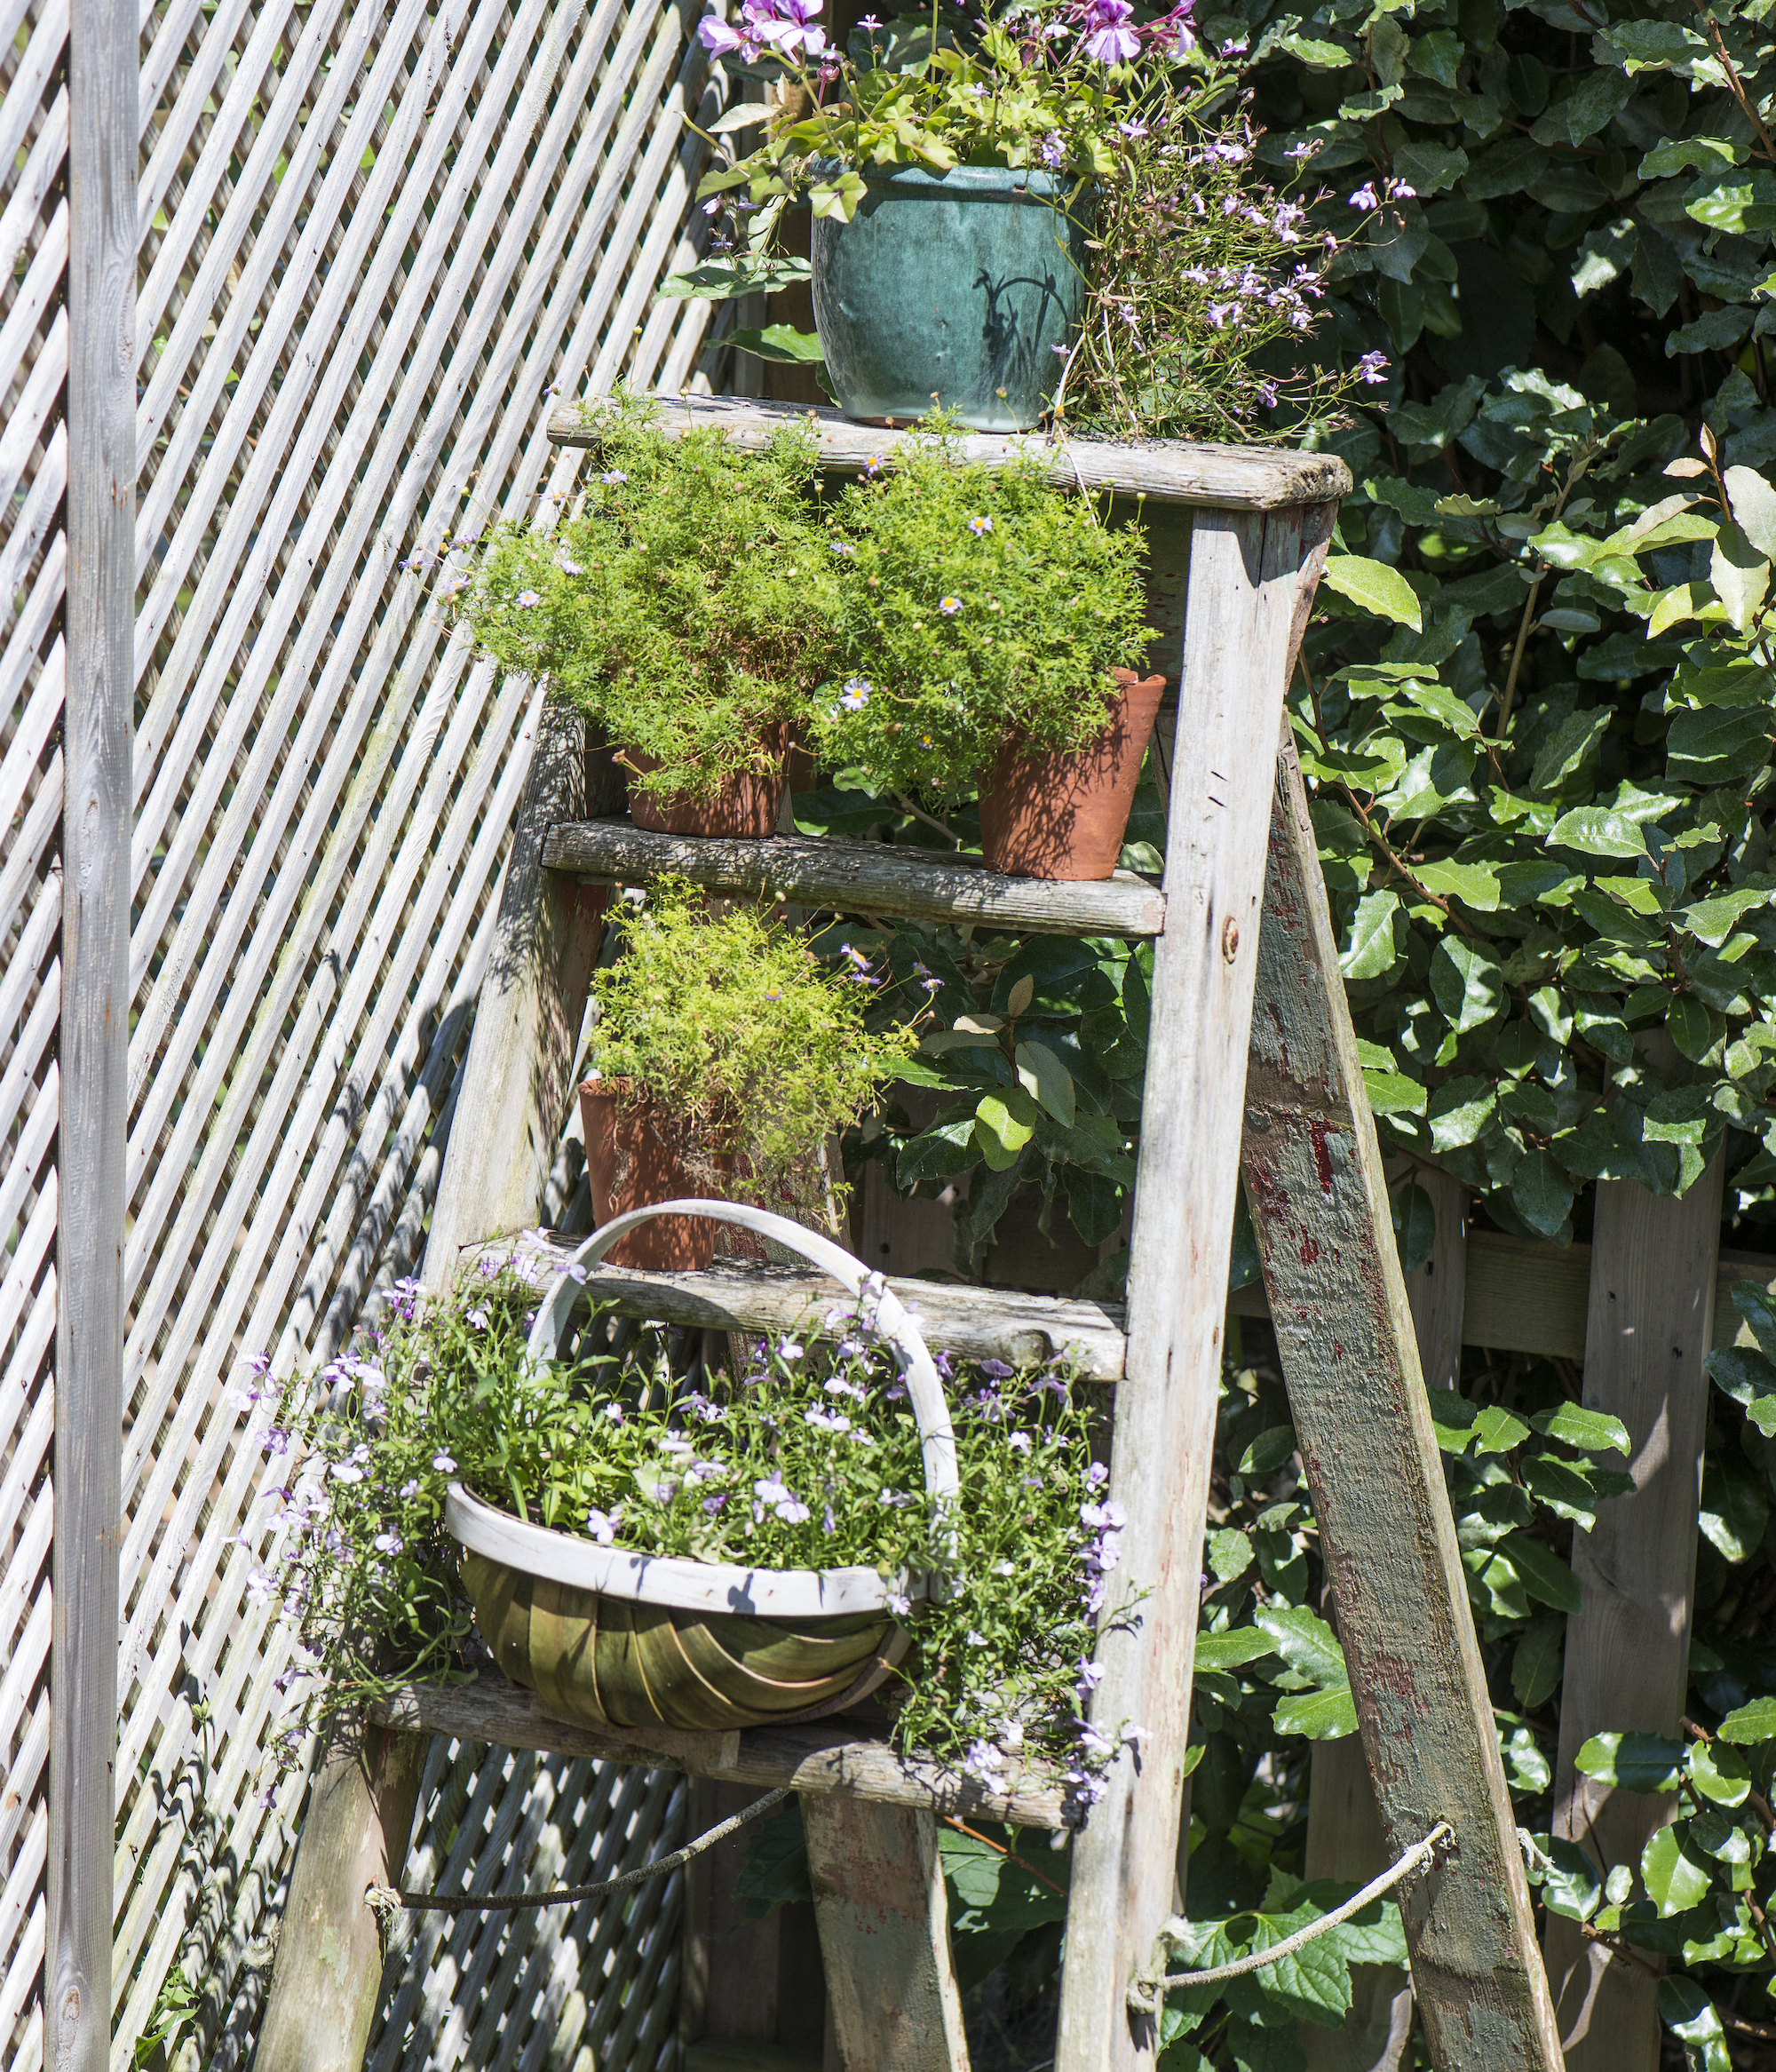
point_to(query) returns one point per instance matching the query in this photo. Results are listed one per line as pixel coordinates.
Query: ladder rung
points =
(1172, 471)
(977, 1323)
(824, 1755)
(860, 877)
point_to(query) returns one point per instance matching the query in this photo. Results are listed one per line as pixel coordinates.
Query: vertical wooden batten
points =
(1648, 1330)
(92, 1120)
(1242, 587)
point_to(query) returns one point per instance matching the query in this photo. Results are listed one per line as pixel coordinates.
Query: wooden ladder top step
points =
(1166, 470)
(974, 1324)
(860, 877)
(824, 1757)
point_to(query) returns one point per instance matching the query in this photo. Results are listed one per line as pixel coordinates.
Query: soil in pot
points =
(958, 286)
(637, 1152)
(1051, 814)
(748, 804)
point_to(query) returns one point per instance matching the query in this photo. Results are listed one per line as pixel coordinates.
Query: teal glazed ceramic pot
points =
(960, 284)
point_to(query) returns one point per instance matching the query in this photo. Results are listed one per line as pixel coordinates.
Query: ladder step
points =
(858, 877)
(1221, 478)
(974, 1324)
(824, 1757)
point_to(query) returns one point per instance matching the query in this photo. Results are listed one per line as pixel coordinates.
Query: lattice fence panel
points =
(376, 237)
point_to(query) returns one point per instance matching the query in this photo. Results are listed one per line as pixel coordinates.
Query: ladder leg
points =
(515, 1086)
(1242, 588)
(1319, 1201)
(326, 1976)
(885, 1936)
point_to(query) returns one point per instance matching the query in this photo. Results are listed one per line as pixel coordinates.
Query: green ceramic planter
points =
(959, 286)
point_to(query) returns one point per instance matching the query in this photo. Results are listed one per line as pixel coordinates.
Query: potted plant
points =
(488, 1474)
(684, 604)
(993, 628)
(951, 174)
(723, 1055)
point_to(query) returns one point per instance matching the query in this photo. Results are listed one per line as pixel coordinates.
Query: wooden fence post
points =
(323, 1997)
(1345, 1837)
(94, 1064)
(1648, 1330)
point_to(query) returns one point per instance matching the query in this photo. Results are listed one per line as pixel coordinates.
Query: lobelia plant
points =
(808, 1459)
(685, 602)
(972, 604)
(743, 1036)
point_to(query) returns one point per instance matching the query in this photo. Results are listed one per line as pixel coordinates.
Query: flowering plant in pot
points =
(725, 1053)
(1025, 206)
(617, 1447)
(684, 603)
(995, 627)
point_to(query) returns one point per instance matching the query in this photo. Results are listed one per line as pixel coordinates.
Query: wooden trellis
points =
(373, 236)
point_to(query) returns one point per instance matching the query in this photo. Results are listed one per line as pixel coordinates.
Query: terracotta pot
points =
(748, 804)
(636, 1155)
(1055, 815)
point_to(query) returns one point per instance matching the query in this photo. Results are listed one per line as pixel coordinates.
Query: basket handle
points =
(931, 1407)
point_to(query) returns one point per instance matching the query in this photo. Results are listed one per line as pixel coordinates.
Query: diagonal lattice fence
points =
(375, 237)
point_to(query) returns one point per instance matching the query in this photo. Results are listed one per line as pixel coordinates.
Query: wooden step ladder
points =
(1251, 1068)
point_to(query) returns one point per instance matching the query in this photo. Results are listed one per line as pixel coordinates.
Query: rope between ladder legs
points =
(1149, 1988)
(385, 1901)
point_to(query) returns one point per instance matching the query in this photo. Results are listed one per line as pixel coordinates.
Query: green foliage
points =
(974, 605)
(809, 1459)
(174, 2012)
(685, 601)
(731, 1022)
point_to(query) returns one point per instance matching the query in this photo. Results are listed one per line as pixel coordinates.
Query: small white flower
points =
(443, 1462)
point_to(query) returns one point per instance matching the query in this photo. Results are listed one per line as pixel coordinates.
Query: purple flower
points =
(977, 526)
(602, 1524)
(1364, 196)
(613, 475)
(1107, 37)
(792, 30)
(1399, 191)
(855, 695)
(407, 1491)
(526, 598)
(1301, 151)
(443, 1462)
(1287, 217)
(721, 39)
(1054, 154)
(984, 1761)
(388, 1542)
(1267, 395)
(1220, 312)
(950, 606)
(1373, 367)
(899, 1605)
(869, 22)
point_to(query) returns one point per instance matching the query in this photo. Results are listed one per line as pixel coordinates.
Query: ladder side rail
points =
(1242, 587)
(1319, 1207)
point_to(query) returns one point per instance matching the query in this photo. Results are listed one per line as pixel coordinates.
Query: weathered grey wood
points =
(329, 1959)
(1525, 1295)
(1242, 585)
(1436, 1292)
(515, 1087)
(977, 1323)
(1229, 477)
(98, 723)
(884, 1937)
(1343, 1825)
(1628, 1648)
(863, 877)
(819, 1758)
(1319, 1201)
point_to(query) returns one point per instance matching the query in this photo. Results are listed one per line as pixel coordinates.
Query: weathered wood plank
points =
(1628, 1648)
(977, 1323)
(861, 877)
(1319, 1201)
(819, 1758)
(884, 1937)
(1229, 477)
(1242, 588)
(1345, 1837)
(329, 1961)
(98, 723)
(515, 1086)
